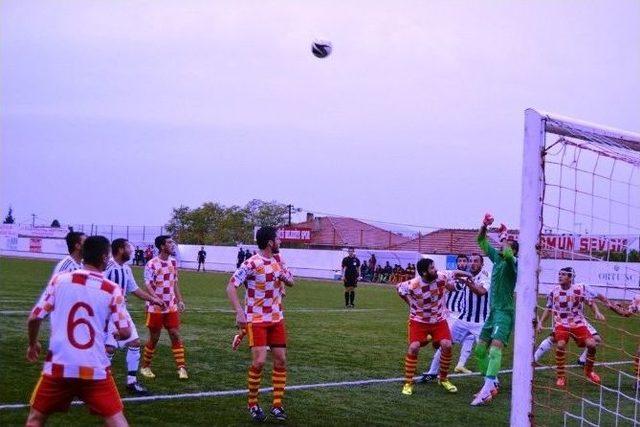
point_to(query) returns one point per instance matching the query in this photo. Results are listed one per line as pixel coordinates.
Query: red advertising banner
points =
(295, 234)
(35, 244)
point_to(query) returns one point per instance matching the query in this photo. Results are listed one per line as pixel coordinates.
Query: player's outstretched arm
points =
(476, 288)
(146, 296)
(483, 241)
(543, 317)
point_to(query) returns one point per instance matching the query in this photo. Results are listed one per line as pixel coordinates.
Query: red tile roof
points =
(445, 241)
(331, 231)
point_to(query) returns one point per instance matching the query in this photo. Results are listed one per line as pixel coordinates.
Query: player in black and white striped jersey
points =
(466, 327)
(73, 261)
(118, 271)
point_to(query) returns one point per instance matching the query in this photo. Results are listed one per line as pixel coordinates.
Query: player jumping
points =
(425, 296)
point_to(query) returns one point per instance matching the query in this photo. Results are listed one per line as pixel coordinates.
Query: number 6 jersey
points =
(81, 305)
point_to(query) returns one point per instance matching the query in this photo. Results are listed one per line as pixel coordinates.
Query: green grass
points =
(327, 345)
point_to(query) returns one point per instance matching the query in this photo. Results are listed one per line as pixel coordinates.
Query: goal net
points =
(580, 210)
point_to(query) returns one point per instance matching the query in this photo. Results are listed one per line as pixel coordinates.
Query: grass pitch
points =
(327, 344)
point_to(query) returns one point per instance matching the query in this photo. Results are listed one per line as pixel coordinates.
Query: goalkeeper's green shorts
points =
(498, 326)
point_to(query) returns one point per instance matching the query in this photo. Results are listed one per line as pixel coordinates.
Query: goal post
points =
(568, 167)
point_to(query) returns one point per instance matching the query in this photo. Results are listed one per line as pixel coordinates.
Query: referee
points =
(350, 273)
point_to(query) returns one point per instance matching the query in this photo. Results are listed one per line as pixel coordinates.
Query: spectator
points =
(241, 258)
(247, 254)
(202, 256)
(364, 272)
(148, 254)
(372, 262)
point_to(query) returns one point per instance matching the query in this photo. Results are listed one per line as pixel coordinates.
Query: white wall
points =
(617, 280)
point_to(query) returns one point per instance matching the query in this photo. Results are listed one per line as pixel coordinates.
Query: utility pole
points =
(290, 206)
(33, 220)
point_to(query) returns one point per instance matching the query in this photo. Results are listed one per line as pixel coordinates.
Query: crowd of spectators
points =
(371, 271)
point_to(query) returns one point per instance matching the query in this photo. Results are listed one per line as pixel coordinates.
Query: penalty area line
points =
(293, 387)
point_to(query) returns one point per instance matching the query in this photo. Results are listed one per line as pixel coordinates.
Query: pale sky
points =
(115, 112)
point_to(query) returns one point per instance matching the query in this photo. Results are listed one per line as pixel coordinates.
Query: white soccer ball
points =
(321, 48)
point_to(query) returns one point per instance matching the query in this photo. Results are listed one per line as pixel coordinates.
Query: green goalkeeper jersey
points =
(503, 276)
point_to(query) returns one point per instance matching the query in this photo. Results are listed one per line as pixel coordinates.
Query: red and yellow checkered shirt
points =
(426, 300)
(265, 288)
(161, 277)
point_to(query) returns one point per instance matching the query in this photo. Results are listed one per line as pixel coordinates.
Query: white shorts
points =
(452, 318)
(462, 329)
(112, 342)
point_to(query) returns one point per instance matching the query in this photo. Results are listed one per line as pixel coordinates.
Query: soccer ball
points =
(321, 48)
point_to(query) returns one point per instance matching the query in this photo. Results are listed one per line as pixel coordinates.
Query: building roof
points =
(444, 241)
(331, 231)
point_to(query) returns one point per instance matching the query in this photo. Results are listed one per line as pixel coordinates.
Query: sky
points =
(116, 112)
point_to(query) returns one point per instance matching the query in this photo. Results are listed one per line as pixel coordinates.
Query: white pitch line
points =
(293, 387)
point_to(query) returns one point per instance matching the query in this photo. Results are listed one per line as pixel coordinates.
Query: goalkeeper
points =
(497, 329)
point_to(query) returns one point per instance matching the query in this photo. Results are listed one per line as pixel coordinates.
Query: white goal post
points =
(538, 126)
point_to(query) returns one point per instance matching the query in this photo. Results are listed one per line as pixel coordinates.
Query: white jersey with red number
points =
(265, 288)
(426, 300)
(567, 305)
(162, 277)
(81, 305)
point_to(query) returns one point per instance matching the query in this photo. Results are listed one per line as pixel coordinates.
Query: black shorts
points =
(350, 281)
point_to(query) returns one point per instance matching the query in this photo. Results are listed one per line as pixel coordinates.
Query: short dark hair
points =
(462, 256)
(73, 238)
(478, 255)
(160, 240)
(118, 244)
(515, 246)
(94, 248)
(423, 265)
(265, 234)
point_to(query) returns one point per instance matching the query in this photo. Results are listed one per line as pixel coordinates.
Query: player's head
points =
(165, 245)
(566, 275)
(95, 252)
(427, 269)
(267, 239)
(351, 252)
(461, 262)
(121, 249)
(476, 262)
(75, 239)
(513, 244)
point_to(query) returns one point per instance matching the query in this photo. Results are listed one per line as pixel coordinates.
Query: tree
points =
(55, 223)
(261, 213)
(216, 224)
(9, 218)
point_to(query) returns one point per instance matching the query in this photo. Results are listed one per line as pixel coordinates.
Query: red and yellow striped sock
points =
(255, 375)
(178, 354)
(279, 377)
(410, 365)
(636, 366)
(445, 362)
(148, 355)
(591, 358)
(560, 360)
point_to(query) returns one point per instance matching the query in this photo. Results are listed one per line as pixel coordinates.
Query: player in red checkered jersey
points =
(161, 280)
(425, 295)
(264, 276)
(566, 302)
(80, 304)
